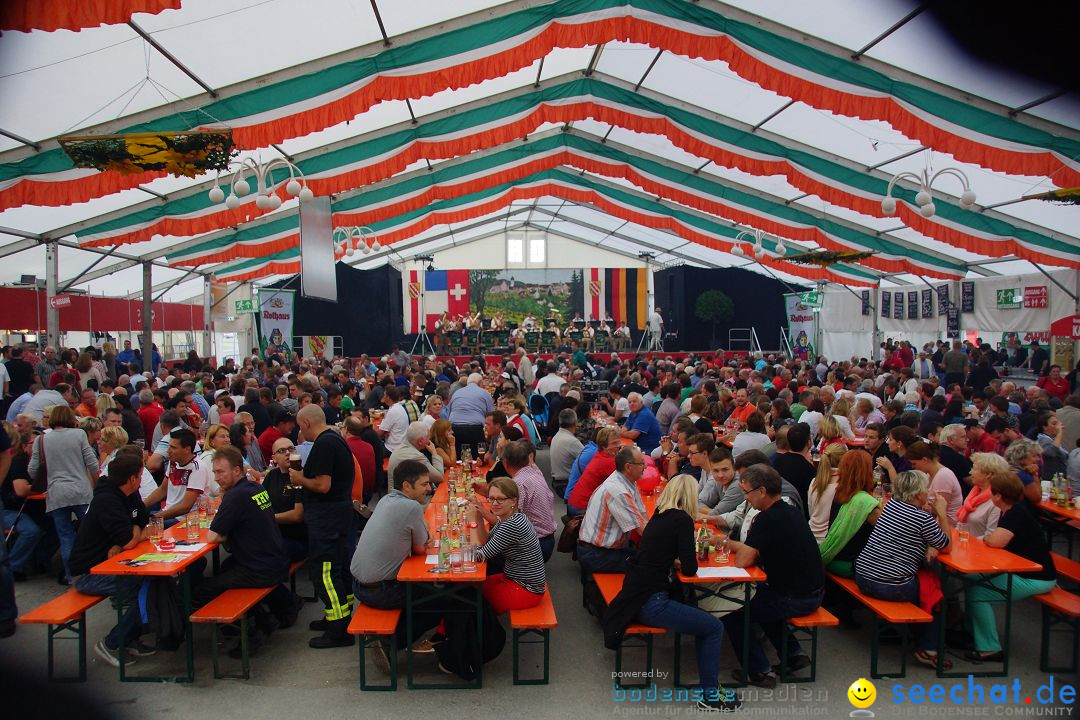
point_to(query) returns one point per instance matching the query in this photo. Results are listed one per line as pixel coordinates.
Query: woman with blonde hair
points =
(840, 411)
(645, 596)
(104, 402)
(442, 439)
(823, 489)
(830, 433)
(978, 515)
(112, 439)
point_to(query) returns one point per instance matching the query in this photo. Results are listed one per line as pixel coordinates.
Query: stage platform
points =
(601, 357)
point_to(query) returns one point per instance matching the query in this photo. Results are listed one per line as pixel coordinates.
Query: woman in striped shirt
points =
(521, 583)
(904, 537)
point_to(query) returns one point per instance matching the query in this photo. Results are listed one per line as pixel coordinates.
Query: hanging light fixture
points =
(355, 237)
(924, 199)
(266, 198)
(758, 237)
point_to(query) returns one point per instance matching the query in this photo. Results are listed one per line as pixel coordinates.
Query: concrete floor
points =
(291, 680)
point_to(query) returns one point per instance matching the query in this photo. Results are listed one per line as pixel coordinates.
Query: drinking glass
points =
(722, 551)
(193, 526)
(456, 560)
(157, 530)
(468, 560)
(963, 532)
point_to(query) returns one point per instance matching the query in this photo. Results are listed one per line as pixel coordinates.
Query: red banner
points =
(1035, 296)
(85, 313)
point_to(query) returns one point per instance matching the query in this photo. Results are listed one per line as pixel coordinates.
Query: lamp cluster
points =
(266, 198)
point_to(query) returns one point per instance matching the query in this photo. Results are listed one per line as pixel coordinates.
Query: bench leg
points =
(1050, 619)
(245, 651)
(78, 627)
(545, 640)
(810, 634)
(367, 641)
(647, 642)
(874, 650)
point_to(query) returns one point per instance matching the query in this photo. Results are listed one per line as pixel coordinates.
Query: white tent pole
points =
(52, 275)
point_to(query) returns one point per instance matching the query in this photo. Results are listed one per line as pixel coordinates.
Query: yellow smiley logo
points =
(862, 693)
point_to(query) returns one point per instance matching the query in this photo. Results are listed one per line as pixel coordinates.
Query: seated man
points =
(722, 493)
(641, 425)
(614, 517)
(114, 522)
(394, 531)
(535, 499)
(417, 446)
(185, 479)
(565, 448)
(245, 524)
(781, 543)
(288, 503)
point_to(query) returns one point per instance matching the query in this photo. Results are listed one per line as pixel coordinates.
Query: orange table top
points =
(37, 496)
(1071, 513)
(416, 569)
(116, 566)
(856, 442)
(754, 573)
(974, 556)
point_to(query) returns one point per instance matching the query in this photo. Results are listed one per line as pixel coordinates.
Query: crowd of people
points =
(862, 467)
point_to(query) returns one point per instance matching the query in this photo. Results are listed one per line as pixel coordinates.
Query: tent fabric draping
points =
(50, 15)
(517, 161)
(515, 38)
(488, 124)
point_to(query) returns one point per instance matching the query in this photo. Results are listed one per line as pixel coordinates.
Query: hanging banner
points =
(800, 326)
(927, 304)
(276, 321)
(967, 297)
(886, 305)
(1067, 327)
(865, 302)
(942, 299)
(1035, 296)
(913, 305)
(952, 329)
(898, 306)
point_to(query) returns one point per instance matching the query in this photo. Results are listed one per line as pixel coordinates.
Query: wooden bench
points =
(1066, 567)
(535, 621)
(893, 613)
(231, 608)
(65, 614)
(610, 585)
(1059, 607)
(376, 628)
(804, 627)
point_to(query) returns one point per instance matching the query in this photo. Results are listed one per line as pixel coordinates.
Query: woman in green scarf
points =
(853, 514)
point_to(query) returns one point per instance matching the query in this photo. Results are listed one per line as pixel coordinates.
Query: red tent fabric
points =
(27, 15)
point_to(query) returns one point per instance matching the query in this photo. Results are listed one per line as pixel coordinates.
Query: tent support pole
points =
(147, 319)
(207, 349)
(52, 275)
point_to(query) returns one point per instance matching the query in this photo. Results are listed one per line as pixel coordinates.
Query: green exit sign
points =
(810, 299)
(244, 306)
(1009, 298)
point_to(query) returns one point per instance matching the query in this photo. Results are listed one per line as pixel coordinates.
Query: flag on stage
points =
(411, 291)
(626, 295)
(445, 291)
(595, 307)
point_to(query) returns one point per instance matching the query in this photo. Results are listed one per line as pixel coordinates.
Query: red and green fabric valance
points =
(49, 15)
(481, 126)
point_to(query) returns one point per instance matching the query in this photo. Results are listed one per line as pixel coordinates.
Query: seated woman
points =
(442, 440)
(596, 471)
(1023, 456)
(901, 541)
(823, 489)
(511, 537)
(839, 411)
(865, 414)
(1051, 433)
(978, 515)
(852, 516)
(20, 514)
(1018, 532)
(924, 458)
(112, 439)
(830, 433)
(433, 408)
(667, 543)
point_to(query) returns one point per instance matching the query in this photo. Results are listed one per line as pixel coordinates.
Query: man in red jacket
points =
(284, 422)
(149, 413)
(363, 452)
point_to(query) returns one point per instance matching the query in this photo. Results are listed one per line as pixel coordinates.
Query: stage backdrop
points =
(759, 303)
(367, 314)
(595, 293)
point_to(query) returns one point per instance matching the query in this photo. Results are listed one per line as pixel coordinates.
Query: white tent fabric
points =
(42, 78)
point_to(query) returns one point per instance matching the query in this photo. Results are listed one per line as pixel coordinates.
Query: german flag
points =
(626, 294)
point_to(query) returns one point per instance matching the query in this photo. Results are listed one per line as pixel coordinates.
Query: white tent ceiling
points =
(57, 82)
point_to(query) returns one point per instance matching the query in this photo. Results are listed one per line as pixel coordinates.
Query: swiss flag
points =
(445, 291)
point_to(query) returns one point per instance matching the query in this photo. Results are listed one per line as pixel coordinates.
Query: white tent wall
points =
(490, 254)
(989, 320)
(845, 331)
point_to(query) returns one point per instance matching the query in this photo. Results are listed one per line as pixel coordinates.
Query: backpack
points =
(461, 654)
(159, 611)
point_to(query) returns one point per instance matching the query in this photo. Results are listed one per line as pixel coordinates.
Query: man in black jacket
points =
(115, 522)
